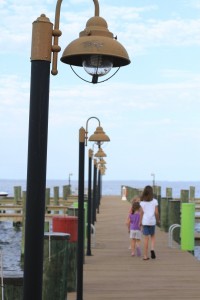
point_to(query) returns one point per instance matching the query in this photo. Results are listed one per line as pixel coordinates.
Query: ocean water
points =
(109, 187)
(10, 237)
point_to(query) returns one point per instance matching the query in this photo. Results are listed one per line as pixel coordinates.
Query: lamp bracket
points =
(86, 131)
(56, 34)
(96, 5)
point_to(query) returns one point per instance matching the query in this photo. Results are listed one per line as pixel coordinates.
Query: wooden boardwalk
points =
(112, 274)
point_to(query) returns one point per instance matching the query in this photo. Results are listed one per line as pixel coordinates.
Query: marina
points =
(110, 261)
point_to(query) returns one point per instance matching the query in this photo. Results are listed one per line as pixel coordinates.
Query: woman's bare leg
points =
(146, 244)
(153, 239)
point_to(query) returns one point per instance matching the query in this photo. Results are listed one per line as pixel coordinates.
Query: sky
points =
(150, 109)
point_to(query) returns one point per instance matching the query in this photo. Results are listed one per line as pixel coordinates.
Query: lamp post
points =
(98, 136)
(153, 175)
(89, 212)
(95, 50)
(94, 198)
(69, 182)
(100, 154)
(98, 190)
(101, 163)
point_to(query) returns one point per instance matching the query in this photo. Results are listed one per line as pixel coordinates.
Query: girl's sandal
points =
(147, 258)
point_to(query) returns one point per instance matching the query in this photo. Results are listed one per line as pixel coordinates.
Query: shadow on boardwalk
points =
(111, 273)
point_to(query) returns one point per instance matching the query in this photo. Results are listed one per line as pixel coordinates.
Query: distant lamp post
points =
(101, 164)
(153, 175)
(99, 137)
(94, 198)
(69, 182)
(103, 170)
(100, 153)
(89, 211)
(94, 50)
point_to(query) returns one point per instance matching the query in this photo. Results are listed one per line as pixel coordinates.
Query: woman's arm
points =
(157, 215)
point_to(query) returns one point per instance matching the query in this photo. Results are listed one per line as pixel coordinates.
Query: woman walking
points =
(149, 215)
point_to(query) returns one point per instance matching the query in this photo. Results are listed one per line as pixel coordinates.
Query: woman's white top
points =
(148, 208)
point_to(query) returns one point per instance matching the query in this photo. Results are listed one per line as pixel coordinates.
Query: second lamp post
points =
(99, 136)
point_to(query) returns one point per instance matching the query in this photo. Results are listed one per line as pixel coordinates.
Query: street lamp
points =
(99, 154)
(101, 164)
(153, 175)
(96, 49)
(95, 45)
(94, 198)
(69, 182)
(99, 137)
(90, 155)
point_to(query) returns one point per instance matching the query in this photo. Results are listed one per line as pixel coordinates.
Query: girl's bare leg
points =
(138, 249)
(133, 247)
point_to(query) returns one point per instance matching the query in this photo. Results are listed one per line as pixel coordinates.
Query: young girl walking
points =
(134, 226)
(149, 217)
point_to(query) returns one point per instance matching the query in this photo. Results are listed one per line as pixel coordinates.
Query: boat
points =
(3, 195)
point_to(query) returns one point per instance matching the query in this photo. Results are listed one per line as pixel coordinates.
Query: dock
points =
(112, 274)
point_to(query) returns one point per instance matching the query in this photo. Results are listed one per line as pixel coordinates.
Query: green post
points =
(187, 226)
(64, 192)
(164, 214)
(56, 198)
(169, 192)
(55, 266)
(69, 224)
(56, 195)
(17, 194)
(157, 190)
(13, 287)
(184, 196)
(174, 217)
(192, 193)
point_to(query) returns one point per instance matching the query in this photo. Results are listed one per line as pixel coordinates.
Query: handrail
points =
(170, 236)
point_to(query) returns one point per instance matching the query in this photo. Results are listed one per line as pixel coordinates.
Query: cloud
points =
(128, 23)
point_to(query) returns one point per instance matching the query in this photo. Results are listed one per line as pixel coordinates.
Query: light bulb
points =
(97, 65)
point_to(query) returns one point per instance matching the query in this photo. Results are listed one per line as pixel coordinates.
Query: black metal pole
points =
(36, 180)
(99, 190)
(80, 250)
(89, 210)
(37, 158)
(94, 193)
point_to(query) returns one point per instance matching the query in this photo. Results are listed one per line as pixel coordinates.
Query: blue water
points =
(109, 187)
(10, 237)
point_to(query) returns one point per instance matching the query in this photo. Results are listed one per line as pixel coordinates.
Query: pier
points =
(112, 274)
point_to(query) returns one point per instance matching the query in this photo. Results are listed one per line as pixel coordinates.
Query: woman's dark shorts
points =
(149, 230)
